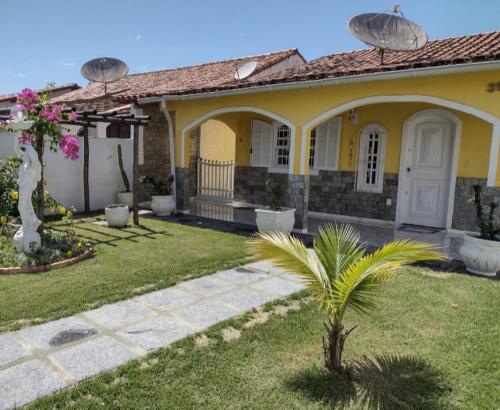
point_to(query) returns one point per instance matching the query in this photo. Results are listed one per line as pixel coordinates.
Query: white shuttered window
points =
(325, 142)
(262, 138)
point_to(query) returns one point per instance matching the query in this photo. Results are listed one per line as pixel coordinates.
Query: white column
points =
(494, 147)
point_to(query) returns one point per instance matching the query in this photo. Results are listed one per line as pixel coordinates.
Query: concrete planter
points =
(126, 198)
(117, 215)
(481, 256)
(275, 221)
(163, 204)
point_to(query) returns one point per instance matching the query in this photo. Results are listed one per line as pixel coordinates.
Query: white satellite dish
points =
(245, 70)
(388, 31)
(104, 70)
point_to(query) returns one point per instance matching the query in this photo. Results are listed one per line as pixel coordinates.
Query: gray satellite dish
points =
(104, 70)
(388, 31)
(245, 70)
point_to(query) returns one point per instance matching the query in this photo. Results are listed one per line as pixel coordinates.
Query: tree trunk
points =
(40, 188)
(333, 345)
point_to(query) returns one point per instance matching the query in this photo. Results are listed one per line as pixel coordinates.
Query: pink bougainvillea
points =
(73, 116)
(70, 146)
(28, 98)
(52, 112)
(26, 138)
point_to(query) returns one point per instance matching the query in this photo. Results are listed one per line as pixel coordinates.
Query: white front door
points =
(427, 172)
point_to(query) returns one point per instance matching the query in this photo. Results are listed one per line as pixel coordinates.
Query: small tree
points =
(46, 117)
(340, 274)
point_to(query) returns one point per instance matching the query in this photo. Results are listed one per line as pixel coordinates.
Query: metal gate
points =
(215, 178)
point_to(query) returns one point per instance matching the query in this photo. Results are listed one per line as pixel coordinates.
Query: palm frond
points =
(359, 285)
(290, 254)
(337, 247)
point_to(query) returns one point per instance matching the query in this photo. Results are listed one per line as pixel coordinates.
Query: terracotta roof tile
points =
(177, 80)
(218, 75)
(449, 51)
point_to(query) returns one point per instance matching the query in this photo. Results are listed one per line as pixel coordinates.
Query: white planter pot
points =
(275, 221)
(481, 256)
(163, 204)
(117, 215)
(126, 198)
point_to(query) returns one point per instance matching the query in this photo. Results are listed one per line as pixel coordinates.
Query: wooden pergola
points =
(89, 119)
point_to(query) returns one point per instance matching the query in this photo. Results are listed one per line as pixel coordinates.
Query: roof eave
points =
(388, 75)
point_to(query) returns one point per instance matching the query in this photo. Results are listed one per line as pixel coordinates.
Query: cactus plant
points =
(124, 174)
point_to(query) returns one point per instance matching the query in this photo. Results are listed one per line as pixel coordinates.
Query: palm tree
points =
(340, 274)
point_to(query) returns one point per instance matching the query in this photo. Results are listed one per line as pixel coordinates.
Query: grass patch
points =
(433, 344)
(128, 262)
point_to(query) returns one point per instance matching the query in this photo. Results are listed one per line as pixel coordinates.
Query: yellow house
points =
(398, 142)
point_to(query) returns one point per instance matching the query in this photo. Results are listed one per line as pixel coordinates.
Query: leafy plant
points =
(159, 187)
(122, 171)
(485, 220)
(340, 274)
(9, 184)
(276, 193)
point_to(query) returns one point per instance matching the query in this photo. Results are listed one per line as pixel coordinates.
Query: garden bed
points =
(45, 268)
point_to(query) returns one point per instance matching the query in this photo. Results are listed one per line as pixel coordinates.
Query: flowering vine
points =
(46, 117)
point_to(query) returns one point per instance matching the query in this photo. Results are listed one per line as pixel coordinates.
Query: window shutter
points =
(262, 137)
(327, 138)
(333, 138)
(321, 144)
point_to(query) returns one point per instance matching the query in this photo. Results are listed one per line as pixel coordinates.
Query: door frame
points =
(456, 133)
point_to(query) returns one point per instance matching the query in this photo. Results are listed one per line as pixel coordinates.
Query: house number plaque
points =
(493, 87)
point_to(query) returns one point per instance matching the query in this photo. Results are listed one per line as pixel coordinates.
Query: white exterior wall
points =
(65, 177)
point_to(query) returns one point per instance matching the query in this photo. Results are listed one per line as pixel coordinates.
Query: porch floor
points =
(373, 234)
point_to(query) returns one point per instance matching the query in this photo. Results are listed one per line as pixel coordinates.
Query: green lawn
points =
(433, 344)
(128, 262)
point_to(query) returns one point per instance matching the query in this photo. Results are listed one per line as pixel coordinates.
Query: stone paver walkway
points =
(40, 360)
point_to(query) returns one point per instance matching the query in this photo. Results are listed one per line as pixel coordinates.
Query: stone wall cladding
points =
(155, 143)
(250, 187)
(194, 153)
(464, 214)
(250, 184)
(333, 192)
(182, 188)
(298, 192)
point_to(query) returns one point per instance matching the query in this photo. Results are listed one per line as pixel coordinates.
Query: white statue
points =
(27, 239)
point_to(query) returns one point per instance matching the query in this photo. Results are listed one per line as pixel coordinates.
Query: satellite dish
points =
(388, 31)
(104, 70)
(245, 70)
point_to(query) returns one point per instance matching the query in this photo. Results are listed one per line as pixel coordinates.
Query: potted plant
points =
(481, 254)
(275, 218)
(117, 215)
(162, 200)
(127, 196)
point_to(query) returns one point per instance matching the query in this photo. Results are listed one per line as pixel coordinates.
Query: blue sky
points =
(49, 41)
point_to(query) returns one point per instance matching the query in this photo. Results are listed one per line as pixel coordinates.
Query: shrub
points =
(276, 194)
(159, 187)
(486, 220)
(9, 185)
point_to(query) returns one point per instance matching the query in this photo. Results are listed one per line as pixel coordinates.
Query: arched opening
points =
(461, 140)
(230, 156)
